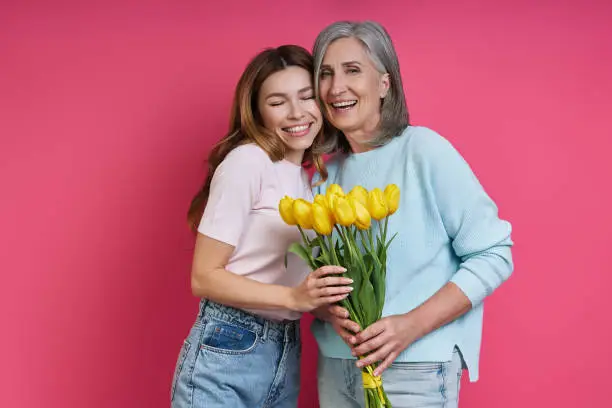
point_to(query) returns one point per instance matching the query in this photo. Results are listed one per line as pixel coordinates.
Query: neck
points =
(358, 139)
(357, 147)
(294, 156)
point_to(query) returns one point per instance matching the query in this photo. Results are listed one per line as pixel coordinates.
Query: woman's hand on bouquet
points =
(339, 319)
(384, 340)
(319, 289)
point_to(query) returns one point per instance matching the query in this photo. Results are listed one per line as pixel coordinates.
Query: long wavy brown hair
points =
(246, 124)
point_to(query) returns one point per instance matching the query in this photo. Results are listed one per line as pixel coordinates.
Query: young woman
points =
(244, 348)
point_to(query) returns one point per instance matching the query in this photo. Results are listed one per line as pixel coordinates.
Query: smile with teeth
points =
(343, 105)
(298, 128)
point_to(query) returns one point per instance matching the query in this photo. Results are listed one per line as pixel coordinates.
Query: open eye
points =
(325, 73)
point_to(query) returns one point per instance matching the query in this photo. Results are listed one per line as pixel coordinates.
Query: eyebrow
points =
(344, 64)
(282, 95)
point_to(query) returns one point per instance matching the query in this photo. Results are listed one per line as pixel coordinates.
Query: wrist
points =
(415, 324)
(288, 299)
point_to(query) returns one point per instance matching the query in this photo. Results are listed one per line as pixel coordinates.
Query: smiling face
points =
(351, 89)
(288, 108)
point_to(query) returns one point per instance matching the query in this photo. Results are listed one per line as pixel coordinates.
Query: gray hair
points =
(379, 47)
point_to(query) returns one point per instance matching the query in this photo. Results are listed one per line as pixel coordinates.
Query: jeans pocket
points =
(228, 338)
(179, 366)
(419, 367)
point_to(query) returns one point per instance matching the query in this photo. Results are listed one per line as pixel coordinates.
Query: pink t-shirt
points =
(242, 211)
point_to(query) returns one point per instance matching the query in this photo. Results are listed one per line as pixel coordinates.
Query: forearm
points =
(385, 339)
(446, 305)
(238, 291)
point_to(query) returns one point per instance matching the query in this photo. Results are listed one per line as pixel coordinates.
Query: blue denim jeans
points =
(408, 385)
(235, 359)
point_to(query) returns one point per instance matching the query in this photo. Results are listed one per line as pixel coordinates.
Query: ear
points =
(385, 83)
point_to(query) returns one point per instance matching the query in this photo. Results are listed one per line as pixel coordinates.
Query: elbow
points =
(196, 289)
(509, 271)
(499, 261)
(481, 275)
(199, 285)
(507, 267)
(500, 268)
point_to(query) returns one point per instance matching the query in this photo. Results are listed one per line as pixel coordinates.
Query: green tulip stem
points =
(332, 251)
(371, 238)
(384, 230)
(365, 241)
(352, 246)
(304, 236)
(309, 245)
(325, 249)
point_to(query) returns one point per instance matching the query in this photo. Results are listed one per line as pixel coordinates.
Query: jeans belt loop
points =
(266, 327)
(203, 303)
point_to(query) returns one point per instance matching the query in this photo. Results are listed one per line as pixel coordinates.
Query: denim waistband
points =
(265, 328)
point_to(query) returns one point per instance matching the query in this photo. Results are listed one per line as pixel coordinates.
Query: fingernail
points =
(359, 364)
(350, 280)
(350, 288)
(340, 268)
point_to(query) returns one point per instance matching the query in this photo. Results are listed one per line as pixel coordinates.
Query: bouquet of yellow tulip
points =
(345, 236)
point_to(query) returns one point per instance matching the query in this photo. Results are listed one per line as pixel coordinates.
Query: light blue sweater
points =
(448, 230)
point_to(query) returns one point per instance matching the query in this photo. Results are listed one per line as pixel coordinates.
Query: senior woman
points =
(451, 251)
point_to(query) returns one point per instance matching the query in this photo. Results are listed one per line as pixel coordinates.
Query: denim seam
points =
(184, 353)
(459, 374)
(206, 347)
(190, 384)
(274, 386)
(458, 383)
(349, 378)
(443, 392)
(264, 334)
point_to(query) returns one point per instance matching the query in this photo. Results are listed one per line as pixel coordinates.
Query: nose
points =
(296, 111)
(338, 85)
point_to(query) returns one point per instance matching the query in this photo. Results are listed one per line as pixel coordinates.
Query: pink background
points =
(108, 110)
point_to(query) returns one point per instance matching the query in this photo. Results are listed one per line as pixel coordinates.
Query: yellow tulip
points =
(331, 200)
(327, 202)
(343, 212)
(320, 199)
(302, 211)
(285, 207)
(331, 204)
(322, 222)
(334, 189)
(392, 197)
(362, 216)
(360, 194)
(377, 205)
